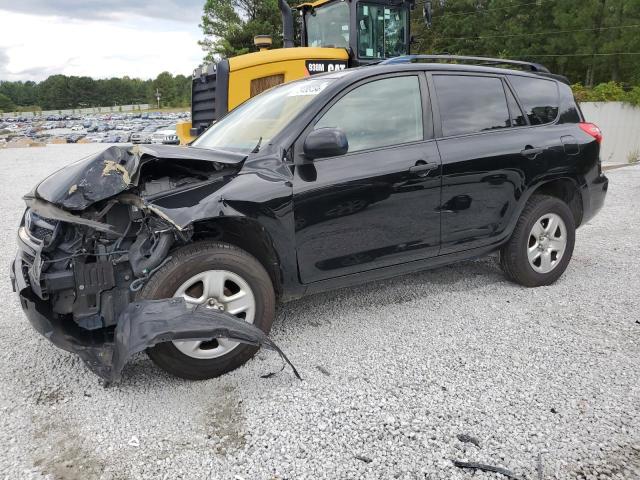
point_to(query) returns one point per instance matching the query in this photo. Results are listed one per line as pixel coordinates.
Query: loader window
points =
(382, 31)
(328, 26)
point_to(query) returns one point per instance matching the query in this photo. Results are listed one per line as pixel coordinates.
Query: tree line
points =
(63, 92)
(591, 41)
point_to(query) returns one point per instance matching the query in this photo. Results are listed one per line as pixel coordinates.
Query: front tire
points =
(222, 276)
(541, 245)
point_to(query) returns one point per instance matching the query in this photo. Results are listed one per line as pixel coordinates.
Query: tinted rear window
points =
(471, 104)
(538, 97)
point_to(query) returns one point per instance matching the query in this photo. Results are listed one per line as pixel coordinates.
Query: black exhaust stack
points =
(287, 24)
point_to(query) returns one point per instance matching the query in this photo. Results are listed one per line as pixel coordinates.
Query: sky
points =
(98, 38)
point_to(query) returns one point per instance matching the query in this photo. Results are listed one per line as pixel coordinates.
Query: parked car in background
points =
(73, 138)
(144, 135)
(92, 123)
(124, 137)
(167, 135)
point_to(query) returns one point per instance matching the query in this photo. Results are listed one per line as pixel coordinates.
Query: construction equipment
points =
(334, 35)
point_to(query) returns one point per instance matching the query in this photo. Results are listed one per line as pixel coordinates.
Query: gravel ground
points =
(546, 381)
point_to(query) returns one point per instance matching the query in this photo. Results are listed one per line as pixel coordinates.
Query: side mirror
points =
(325, 142)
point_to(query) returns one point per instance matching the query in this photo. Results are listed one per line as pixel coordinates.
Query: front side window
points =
(471, 104)
(539, 98)
(260, 118)
(328, 26)
(378, 114)
(382, 31)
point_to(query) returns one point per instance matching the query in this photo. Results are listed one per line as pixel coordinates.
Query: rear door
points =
(482, 134)
(377, 205)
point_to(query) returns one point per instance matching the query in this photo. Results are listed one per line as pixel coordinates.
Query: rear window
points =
(539, 98)
(471, 104)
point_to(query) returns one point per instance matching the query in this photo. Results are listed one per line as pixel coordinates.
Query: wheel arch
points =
(247, 234)
(566, 189)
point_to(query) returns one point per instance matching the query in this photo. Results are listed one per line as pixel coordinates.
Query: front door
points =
(378, 205)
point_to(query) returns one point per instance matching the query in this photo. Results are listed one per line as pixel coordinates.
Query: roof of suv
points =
(367, 71)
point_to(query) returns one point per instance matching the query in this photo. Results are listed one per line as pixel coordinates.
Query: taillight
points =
(593, 130)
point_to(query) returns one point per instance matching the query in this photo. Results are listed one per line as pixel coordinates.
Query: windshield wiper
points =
(256, 149)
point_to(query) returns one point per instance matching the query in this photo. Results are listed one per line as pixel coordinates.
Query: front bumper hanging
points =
(140, 326)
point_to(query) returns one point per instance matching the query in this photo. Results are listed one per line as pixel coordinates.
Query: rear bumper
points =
(593, 196)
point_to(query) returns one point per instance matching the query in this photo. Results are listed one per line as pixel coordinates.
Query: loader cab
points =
(370, 30)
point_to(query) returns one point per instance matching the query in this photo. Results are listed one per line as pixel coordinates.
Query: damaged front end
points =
(90, 238)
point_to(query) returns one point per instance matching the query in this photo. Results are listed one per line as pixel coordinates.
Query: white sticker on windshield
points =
(306, 89)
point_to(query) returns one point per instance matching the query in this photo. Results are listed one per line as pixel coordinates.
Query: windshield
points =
(382, 31)
(260, 118)
(328, 26)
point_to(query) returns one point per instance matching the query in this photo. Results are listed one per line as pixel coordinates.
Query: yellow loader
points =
(334, 35)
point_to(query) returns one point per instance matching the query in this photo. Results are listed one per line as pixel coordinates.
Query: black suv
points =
(313, 185)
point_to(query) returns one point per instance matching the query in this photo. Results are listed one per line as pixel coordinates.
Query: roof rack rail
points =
(533, 67)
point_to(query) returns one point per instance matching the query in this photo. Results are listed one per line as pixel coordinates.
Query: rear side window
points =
(539, 98)
(471, 104)
(378, 114)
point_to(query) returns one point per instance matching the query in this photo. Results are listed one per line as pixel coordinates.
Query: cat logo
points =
(323, 66)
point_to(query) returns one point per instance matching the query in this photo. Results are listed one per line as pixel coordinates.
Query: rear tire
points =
(193, 261)
(541, 245)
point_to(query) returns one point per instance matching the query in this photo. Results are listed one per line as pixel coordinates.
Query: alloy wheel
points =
(221, 290)
(547, 243)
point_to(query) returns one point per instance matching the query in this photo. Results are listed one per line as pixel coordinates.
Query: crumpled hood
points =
(115, 170)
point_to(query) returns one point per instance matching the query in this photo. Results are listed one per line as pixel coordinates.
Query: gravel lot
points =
(546, 380)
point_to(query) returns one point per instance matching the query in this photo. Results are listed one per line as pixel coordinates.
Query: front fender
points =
(263, 199)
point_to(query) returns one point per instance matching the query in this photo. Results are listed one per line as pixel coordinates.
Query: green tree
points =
(6, 105)
(62, 92)
(54, 93)
(595, 42)
(183, 90)
(165, 84)
(230, 25)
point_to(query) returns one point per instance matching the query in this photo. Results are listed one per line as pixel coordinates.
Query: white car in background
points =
(144, 135)
(167, 135)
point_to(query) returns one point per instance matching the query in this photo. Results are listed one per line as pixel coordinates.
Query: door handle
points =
(531, 152)
(423, 167)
